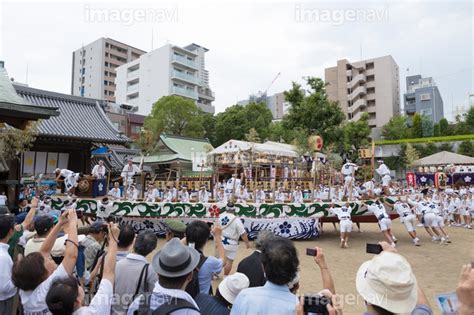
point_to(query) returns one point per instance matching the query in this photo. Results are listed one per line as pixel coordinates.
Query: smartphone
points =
(374, 248)
(311, 251)
(315, 304)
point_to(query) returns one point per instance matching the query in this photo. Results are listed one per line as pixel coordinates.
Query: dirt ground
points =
(436, 266)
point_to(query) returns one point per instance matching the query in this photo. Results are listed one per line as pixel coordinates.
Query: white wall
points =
(94, 73)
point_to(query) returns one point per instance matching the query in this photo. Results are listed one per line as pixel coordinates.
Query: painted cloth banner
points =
(423, 179)
(291, 228)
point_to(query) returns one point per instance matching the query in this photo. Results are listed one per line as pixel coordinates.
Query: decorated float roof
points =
(269, 147)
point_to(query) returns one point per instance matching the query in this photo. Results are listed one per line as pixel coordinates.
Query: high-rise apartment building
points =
(276, 103)
(93, 67)
(369, 86)
(423, 97)
(168, 70)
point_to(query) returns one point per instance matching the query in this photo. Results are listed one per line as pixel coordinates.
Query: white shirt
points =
(7, 288)
(99, 171)
(221, 197)
(115, 193)
(168, 196)
(155, 303)
(231, 225)
(402, 209)
(348, 169)
(184, 196)
(132, 194)
(342, 213)
(378, 210)
(298, 196)
(152, 195)
(35, 300)
(203, 196)
(66, 173)
(3, 200)
(129, 171)
(383, 170)
(242, 196)
(280, 196)
(369, 185)
(259, 196)
(102, 301)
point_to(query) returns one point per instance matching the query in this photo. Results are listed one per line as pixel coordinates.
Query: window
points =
(371, 90)
(370, 102)
(426, 112)
(106, 64)
(370, 78)
(369, 65)
(106, 82)
(136, 129)
(425, 97)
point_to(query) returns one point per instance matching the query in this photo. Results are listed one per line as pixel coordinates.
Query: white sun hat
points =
(231, 286)
(388, 281)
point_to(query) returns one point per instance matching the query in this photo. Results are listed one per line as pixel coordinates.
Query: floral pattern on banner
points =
(291, 228)
(199, 210)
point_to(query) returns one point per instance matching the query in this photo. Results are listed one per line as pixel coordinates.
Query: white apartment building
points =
(93, 67)
(168, 70)
(371, 86)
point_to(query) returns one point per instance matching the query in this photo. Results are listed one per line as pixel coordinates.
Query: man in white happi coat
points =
(99, 170)
(385, 223)
(222, 196)
(232, 230)
(203, 195)
(115, 193)
(129, 170)
(348, 170)
(152, 194)
(408, 218)
(233, 183)
(132, 193)
(280, 196)
(242, 194)
(343, 213)
(184, 194)
(384, 173)
(70, 179)
(167, 195)
(297, 195)
(259, 195)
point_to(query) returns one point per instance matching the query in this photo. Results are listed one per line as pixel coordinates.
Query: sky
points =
(249, 42)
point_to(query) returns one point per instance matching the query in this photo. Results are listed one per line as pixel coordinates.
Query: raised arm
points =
(53, 235)
(72, 246)
(111, 257)
(29, 217)
(319, 259)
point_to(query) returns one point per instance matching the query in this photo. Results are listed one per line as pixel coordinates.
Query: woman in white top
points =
(35, 273)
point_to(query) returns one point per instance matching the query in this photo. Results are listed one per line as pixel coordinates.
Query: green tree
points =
(446, 146)
(396, 128)
(411, 154)
(175, 115)
(278, 133)
(209, 123)
(426, 126)
(355, 136)
(252, 136)
(15, 141)
(313, 113)
(436, 131)
(444, 129)
(236, 121)
(466, 148)
(417, 128)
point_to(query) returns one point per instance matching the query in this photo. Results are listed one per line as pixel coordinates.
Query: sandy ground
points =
(436, 266)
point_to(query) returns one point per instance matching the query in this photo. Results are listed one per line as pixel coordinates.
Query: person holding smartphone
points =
(345, 223)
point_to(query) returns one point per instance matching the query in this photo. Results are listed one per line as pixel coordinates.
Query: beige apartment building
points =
(93, 67)
(371, 86)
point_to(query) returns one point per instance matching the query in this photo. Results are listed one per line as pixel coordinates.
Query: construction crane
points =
(271, 83)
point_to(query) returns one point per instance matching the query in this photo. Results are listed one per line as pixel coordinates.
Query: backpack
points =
(193, 286)
(171, 305)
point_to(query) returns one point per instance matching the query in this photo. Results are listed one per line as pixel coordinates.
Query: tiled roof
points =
(115, 159)
(12, 105)
(80, 118)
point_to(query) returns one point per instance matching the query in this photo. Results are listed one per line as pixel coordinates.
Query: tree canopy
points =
(175, 115)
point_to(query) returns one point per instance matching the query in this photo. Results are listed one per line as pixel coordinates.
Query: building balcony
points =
(133, 74)
(184, 77)
(206, 108)
(184, 61)
(361, 90)
(357, 116)
(371, 109)
(355, 80)
(184, 92)
(206, 94)
(360, 103)
(133, 87)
